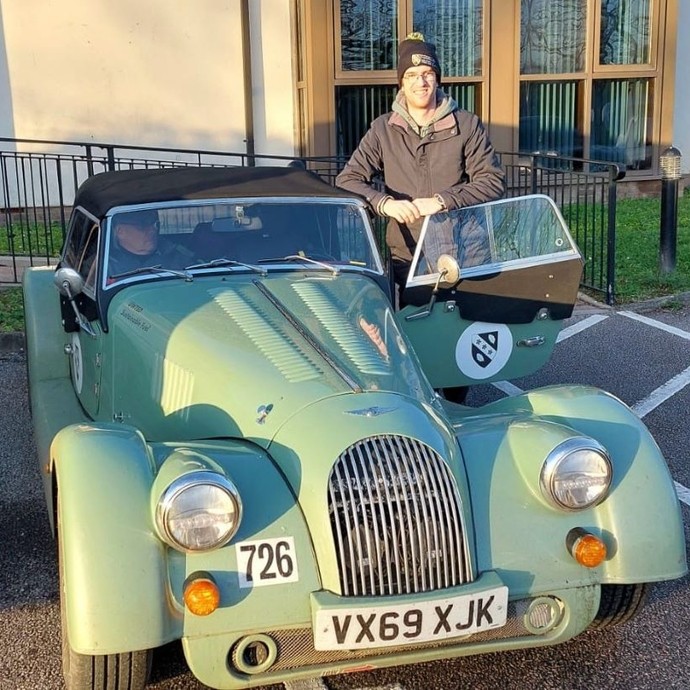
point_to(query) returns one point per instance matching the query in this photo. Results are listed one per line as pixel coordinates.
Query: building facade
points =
(596, 79)
(590, 79)
(199, 74)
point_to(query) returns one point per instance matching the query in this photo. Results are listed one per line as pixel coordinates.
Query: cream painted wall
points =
(153, 73)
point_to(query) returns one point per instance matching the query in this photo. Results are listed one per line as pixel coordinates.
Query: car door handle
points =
(534, 341)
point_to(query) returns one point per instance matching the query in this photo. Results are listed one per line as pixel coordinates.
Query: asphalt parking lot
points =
(643, 358)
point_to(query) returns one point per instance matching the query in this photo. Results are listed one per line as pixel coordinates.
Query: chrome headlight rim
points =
(557, 456)
(183, 483)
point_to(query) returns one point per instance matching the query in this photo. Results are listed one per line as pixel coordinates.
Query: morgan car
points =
(246, 446)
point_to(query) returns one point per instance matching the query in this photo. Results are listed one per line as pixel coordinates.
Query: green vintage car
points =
(244, 445)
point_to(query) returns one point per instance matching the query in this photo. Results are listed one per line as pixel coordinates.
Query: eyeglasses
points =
(426, 77)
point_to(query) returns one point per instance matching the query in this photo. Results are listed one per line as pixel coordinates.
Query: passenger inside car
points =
(135, 243)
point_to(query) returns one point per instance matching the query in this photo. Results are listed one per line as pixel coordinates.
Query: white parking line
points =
(662, 393)
(683, 493)
(580, 326)
(656, 324)
(508, 388)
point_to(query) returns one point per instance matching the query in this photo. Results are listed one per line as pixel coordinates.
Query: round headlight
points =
(576, 474)
(200, 511)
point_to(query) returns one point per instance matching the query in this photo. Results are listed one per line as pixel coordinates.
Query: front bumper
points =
(262, 657)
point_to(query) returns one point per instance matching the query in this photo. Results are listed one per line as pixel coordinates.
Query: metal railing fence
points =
(38, 183)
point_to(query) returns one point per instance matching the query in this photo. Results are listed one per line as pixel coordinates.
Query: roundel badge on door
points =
(483, 349)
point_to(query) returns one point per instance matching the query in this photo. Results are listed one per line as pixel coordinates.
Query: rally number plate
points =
(412, 623)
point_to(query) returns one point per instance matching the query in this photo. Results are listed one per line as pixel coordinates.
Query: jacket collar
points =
(443, 119)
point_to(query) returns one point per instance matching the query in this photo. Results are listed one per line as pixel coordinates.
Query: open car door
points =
(488, 289)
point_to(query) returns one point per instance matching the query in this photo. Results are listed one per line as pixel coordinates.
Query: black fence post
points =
(89, 160)
(614, 176)
(669, 162)
(110, 154)
(533, 178)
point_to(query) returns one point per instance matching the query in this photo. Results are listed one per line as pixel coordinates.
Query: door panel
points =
(488, 289)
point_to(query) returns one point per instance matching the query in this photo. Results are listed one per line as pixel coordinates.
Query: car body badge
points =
(263, 411)
(375, 411)
(483, 349)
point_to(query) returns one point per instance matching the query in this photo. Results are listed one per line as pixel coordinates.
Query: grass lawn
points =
(11, 310)
(38, 239)
(638, 276)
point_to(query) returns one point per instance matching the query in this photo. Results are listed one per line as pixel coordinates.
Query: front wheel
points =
(124, 671)
(618, 604)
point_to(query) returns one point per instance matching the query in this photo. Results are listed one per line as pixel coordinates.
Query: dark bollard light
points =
(669, 162)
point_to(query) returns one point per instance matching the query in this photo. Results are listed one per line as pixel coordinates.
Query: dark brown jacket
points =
(455, 159)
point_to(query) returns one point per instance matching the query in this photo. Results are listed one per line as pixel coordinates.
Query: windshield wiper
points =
(215, 263)
(153, 269)
(302, 259)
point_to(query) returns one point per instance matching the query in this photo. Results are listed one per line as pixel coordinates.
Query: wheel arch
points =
(114, 567)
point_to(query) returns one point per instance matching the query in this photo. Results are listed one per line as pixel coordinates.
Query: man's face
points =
(419, 86)
(138, 237)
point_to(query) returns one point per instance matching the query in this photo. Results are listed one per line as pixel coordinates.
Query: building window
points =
(587, 79)
(549, 117)
(552, 36)
(621, 122)
(367, 37)
(590, 79)
(457, 28)
(625, 32)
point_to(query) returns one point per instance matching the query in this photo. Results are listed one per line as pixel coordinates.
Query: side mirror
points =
(448, 275)
(449, 270)
(70, 284)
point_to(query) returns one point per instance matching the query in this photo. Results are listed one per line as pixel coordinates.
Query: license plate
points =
(410, 623)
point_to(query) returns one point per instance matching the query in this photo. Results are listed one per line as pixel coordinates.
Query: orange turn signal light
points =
(201, 594)
(586, 548)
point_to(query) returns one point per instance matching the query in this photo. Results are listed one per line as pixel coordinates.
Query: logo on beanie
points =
(421, 59)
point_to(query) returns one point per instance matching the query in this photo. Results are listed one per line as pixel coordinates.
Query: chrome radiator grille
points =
(396, 519)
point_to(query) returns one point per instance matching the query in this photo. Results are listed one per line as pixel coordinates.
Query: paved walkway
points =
(12, 269)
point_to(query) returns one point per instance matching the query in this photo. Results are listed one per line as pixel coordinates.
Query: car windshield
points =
(501, 235)
(240, 234)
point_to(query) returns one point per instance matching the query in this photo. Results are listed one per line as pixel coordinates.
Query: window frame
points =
(343, 77)
(74, 255)
(594, 71)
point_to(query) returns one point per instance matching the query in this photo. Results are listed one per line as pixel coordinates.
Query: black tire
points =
(124, 671)
(619, 604)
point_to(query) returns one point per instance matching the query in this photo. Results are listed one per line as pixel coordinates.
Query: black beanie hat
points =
(414, 51)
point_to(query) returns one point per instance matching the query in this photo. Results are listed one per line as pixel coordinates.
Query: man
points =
(135, 243)
(433, 156)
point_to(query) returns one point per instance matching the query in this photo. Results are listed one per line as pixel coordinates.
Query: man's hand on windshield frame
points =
(428, 206)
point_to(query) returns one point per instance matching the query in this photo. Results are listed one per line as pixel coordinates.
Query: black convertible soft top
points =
(124, 187)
